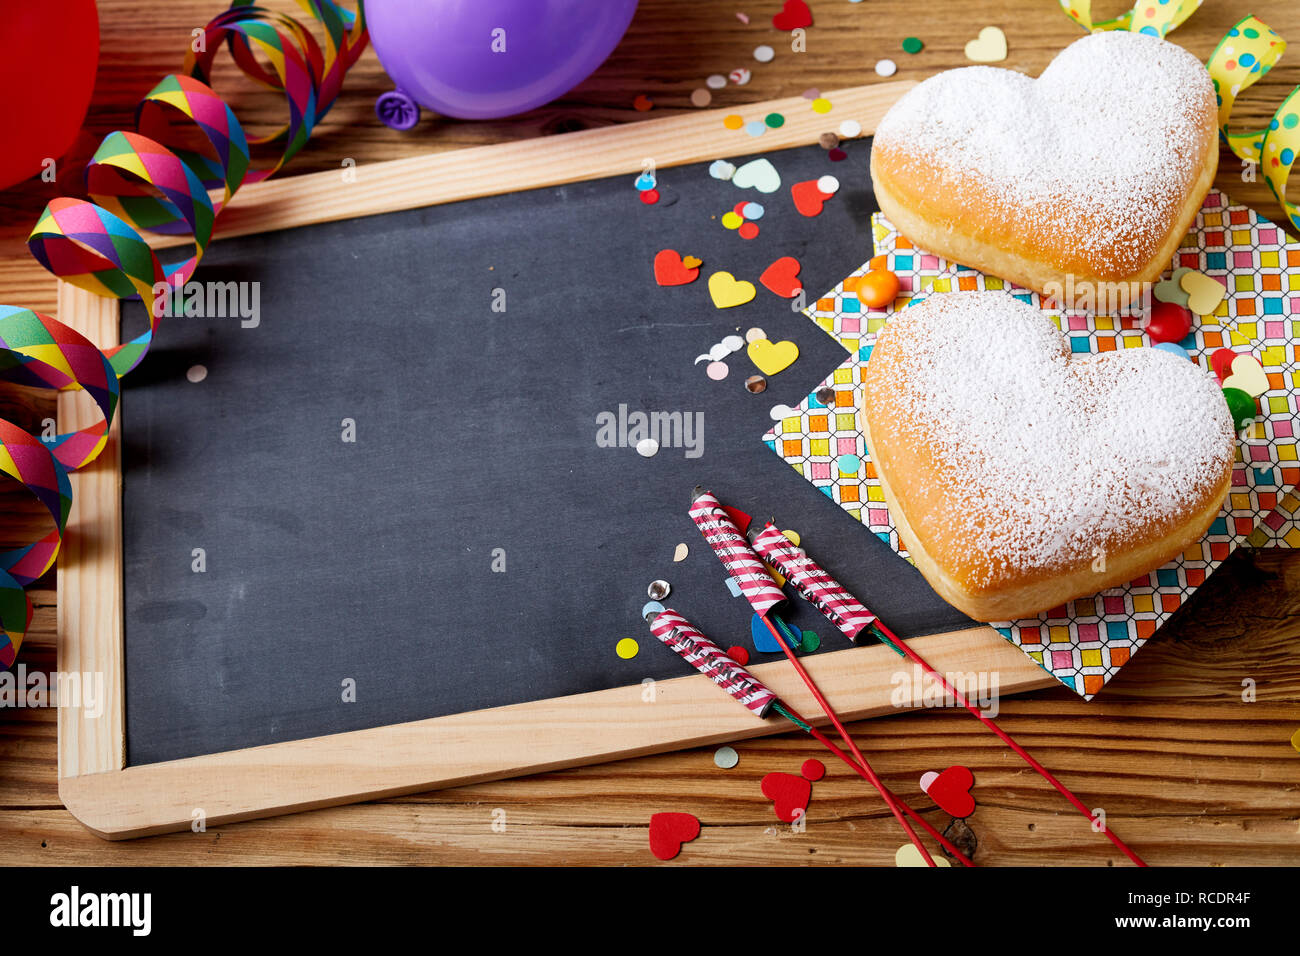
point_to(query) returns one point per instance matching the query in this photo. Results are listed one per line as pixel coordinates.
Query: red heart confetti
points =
(782, 277)
(808, 197)
(1221, 362)
(794, 15)
(951, 790)
(668, 831)
(670, 270)
(788, 794)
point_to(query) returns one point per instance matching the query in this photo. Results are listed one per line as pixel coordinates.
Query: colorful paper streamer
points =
(137, 182)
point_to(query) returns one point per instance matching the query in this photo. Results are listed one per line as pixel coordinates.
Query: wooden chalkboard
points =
(290, 619)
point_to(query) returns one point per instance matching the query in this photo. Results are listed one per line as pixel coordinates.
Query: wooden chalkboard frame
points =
(115, 801)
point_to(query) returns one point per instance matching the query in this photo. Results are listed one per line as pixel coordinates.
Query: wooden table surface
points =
(1187, 771)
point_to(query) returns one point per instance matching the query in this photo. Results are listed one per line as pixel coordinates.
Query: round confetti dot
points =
(740, 76)
(756, 128)
(197, 373)
(809, 642)
(774, 120)
(821, 105)
(647, 448)
(659, 589)
(739, 208)
(739, 654)
(752, 210)
(652, 607)
(717, 371)
(701, 97)
(849, 464)
(721, 169)
(732, 121)
(811, 93)
(650, 197)
(643, 103)
(724, 758)
(828, 184)
(733, 343)
(828, 140)
(837, 155)
(1173, 349)
(716, 81)
(627, 648)
(813, 770)
(748, 231)
(754, 334)
(913, 45)
(886, 68)
(732, 220)
(826, 395)
(850, 128)
(756, 384)
(644, 181)
(764, 53)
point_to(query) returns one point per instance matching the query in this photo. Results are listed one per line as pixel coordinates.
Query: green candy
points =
(1241, 405)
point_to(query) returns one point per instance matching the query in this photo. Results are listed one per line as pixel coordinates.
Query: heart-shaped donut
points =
(1020, 475)
(1079, 184)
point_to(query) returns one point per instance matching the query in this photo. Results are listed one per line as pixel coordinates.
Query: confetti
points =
(724, 758)
(781, 278)
(671, 269)
(731, 220)
(752, 210)
(727, 291)
(756, 128)
(757, 174)
(647, 448)
(650, 197)
(658, 590)
(756, 384)
(808, 198)
(701, 97)
(764, 53)
(643, 103)
(837, 154)
(909, 855)
(811, 93)
(763, 640)
(748, 230)
(716, 81)
(828, 140)
(651, 607)
(717, 370)
(644, 181)
(989, 47)
(668, 831)
(1246, 374)
(774, 120)
(886, 68)
(793, 16)
(813, 770)
(721, 169)
(793, 537)
(789, 795)
(740, 76)
(732, 121)
(734, 588)
(743, 17)
(1295, 740)
(755, 333)
(810, 642)
(680, 552)
(778, 412)
(850, 129)
(848, 464)
(627, 648)
(829, 185)
(913, 45)
(1203, 293)
(772, 358)
(197, 373)
(950, 790)
(1171, 289)
(821, 105)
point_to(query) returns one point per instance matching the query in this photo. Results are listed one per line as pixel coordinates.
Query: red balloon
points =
(48, 56)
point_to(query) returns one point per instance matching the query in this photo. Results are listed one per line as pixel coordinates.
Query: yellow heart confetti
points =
(728, 291)
(770, 357)
(1248, 375)
(1203, 293)
(989, 47)
(909, 855)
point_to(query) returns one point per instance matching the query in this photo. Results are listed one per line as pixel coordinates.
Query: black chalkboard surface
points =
(330, 564)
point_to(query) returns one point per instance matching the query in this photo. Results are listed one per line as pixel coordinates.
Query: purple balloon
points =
(480, 59)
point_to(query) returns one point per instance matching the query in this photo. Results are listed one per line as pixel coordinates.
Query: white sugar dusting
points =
(1098, 152)
(1052, 455)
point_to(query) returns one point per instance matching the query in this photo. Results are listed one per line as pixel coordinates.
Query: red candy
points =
(1221, 363)
(1170, 322)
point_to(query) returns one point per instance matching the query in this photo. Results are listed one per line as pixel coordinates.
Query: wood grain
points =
(1214, 777)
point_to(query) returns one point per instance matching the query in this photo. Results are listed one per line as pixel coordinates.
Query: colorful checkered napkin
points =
(1085, 643)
